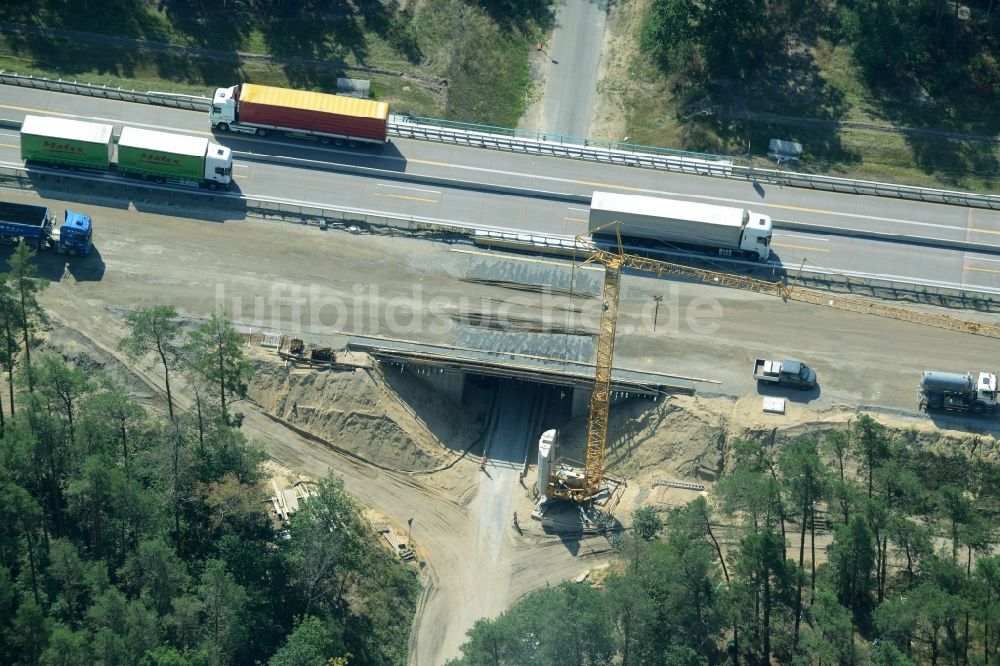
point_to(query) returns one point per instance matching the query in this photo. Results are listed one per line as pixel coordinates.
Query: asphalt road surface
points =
(544, 215)
(574, 54)
(319, 285)
(299, 280)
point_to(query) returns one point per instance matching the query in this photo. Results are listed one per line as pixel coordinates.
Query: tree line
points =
(138, 538)
(890, 39)
(854, 548)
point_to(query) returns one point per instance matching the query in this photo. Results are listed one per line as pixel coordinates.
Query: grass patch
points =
(814, 77)
(490, 76)
(484, 58)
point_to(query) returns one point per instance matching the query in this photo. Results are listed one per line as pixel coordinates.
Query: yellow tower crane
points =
(583, 488)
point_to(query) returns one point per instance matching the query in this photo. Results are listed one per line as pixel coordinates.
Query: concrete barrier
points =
(947, 243)
(113, 188)
(387, 174)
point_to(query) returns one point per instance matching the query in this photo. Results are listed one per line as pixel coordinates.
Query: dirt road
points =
(475, 567)
(299, 280)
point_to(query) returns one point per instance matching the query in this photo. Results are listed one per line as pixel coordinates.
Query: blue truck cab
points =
(74, 236)
(25, 222)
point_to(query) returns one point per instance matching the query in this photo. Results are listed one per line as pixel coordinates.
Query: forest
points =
(139, 537)
(891, 90)
(938, 41)
(853, 547)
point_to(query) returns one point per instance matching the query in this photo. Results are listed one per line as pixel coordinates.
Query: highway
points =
(548, 215)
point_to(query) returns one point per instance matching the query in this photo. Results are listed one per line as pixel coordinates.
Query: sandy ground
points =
(395, 419)
(319, 286)
(613, 75)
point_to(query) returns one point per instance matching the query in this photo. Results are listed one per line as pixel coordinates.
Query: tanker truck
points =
(249, 108)
(160, 156)
(724, 229)
(957, 392)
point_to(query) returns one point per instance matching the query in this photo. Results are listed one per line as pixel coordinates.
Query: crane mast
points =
(583, 488)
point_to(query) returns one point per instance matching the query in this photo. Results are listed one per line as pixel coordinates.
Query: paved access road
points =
(574, 54)
(318, 285)
(545, 215)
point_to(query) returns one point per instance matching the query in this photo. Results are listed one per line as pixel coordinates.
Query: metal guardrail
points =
(388, 174)
(909, 239)
(561, 139)
(385, 174)
(176, 101)
(721, 167)
(444, 132)
(985, 299)
(865, 187)
(982, 298)
(264, 207)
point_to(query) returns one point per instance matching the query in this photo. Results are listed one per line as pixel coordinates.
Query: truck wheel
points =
(977, 409)
(325, 140)
(261, 131)
(338, 142)
(212, 185)
(352, 144)
(222, 127)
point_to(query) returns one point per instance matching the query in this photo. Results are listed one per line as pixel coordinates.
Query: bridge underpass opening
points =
(535, 392)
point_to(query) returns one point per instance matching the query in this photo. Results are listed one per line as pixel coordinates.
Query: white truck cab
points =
(218, 165)
(223, 111)
(986, 389)
(756, 239)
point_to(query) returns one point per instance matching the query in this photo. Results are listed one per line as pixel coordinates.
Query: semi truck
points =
(254, 109)
(160, 156)
(34, 224)
(958, 392)
(784, 373)
(682, 223)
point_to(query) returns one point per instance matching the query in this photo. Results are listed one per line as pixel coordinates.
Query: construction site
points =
(427, 374)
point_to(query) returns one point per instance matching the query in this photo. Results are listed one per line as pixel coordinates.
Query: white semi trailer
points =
(682, 223)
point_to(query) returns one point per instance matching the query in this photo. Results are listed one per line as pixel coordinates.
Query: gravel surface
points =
(320, 285)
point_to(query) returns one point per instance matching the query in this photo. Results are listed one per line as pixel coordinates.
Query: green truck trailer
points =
(66, 142)
(163, 155)
(160, 156)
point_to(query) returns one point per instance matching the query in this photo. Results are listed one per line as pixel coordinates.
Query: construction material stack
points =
(255, 109)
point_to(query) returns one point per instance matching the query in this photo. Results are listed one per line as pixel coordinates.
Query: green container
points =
(161, 155)
(69, 142)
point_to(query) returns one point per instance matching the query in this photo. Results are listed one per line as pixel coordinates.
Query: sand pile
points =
(678, 436)
(396, 420)
(689, 438)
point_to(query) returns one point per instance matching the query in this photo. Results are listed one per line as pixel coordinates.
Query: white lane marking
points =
(241, 166)
(997, 261)
(579, 210)
(131, 123)
(415, 189)
(7, 134)
(740, 202)
(809, 238)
